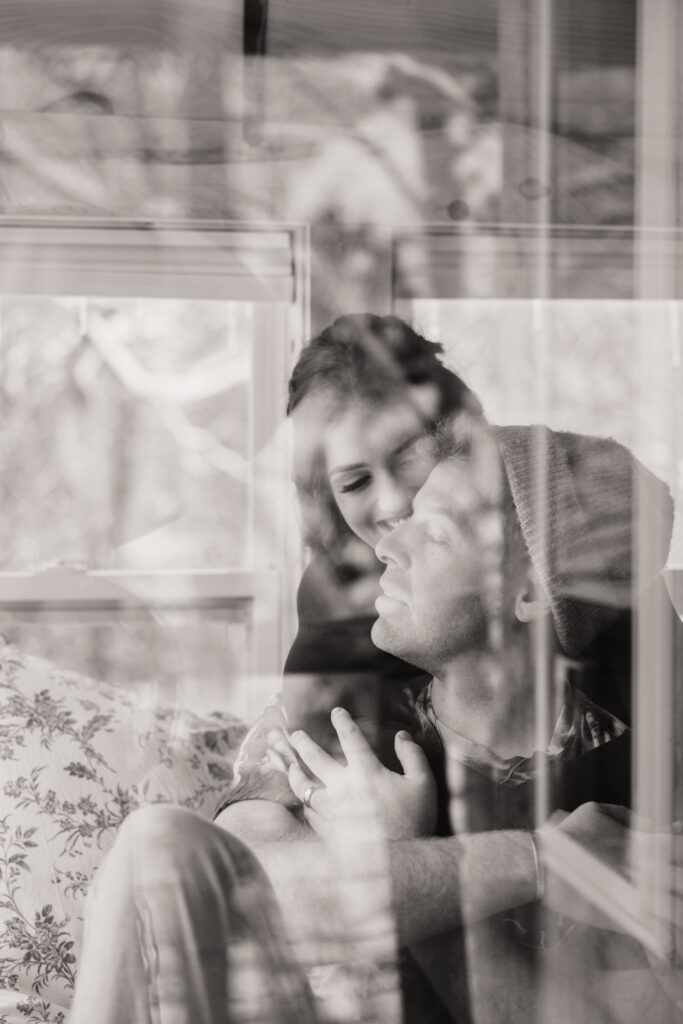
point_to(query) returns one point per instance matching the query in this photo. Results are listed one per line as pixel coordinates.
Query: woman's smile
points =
(376, 460)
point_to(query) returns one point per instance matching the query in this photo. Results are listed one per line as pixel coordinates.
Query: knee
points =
(173, 865)
(156, 827)
(169, 843)
(158, 837)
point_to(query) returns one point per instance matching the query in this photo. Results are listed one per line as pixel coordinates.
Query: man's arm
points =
(371, 863)
(424, 887)
(440, 884)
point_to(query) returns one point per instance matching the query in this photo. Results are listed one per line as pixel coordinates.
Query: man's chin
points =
(386, 636)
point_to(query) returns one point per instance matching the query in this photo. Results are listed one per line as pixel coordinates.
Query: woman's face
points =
(378, 457)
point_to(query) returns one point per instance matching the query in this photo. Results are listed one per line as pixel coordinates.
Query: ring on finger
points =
(308, 795)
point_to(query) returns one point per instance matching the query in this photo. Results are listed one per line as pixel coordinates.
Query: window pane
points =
(197, 657)
(125, 428)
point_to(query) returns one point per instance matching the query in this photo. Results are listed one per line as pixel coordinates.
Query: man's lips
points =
(385, 604)
(390, 591)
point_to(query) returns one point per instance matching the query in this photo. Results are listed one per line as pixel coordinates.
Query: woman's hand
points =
(363, 790)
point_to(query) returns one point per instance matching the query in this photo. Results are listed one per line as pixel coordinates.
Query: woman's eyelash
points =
(354, 485)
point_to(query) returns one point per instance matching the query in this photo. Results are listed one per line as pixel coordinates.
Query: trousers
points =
(183, 927)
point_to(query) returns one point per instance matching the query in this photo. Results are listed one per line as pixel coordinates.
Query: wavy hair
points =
(365, 359)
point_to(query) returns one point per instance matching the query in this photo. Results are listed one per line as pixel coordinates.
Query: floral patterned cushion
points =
(16, 1008)
(76, 756)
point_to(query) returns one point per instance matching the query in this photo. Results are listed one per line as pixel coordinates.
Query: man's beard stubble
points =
(431, 645)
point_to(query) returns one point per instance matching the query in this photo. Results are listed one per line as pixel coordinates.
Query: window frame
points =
(265, 265)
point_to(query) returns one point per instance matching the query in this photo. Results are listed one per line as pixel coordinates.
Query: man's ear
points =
(531, 603)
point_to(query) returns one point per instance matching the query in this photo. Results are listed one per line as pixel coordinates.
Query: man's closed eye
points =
(417, 448)
(441, 537)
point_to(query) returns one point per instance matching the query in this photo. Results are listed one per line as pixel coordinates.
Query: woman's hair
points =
(365, 359)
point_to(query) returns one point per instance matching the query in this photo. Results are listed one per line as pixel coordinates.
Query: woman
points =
(364, 398)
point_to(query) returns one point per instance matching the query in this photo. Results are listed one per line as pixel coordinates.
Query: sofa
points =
(76, 756)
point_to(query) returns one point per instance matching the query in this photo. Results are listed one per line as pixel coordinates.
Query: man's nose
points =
(391, 550)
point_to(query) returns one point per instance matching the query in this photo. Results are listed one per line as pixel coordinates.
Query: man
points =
(494, 572)
(504, 573)
(176, 893)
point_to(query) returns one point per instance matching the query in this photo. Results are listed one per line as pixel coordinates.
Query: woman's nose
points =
(393, 497)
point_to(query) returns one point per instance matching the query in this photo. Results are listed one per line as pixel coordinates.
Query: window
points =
(144, 383)
(594, 358)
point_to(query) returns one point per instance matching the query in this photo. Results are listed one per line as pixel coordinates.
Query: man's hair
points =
(369, 360)
(570, 498)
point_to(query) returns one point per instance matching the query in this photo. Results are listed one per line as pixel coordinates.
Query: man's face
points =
(443, 568)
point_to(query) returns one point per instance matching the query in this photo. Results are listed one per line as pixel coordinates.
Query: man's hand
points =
(604, 831)
(364, 791)
(645, 856)
(631, 848)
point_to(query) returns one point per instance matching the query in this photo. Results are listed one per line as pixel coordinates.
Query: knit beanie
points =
(579, 500)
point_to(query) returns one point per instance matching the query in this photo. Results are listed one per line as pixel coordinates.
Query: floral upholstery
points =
(76, 756)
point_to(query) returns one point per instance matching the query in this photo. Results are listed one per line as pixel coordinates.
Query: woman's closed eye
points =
(357, 484)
